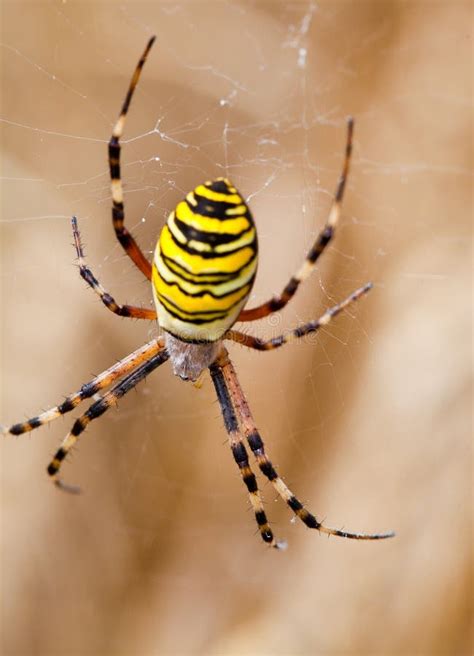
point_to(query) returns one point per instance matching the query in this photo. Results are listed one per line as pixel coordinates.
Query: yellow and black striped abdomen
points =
(205, 263)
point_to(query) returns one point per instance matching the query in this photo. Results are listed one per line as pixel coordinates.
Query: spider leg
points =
(300, 331)
(256, 444)
(97, 409)
(105, 297)
(118, 214)
(241, 456)
(323, 239)
(87, 390)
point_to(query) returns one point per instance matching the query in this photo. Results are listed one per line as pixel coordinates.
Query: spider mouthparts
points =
(65, 487)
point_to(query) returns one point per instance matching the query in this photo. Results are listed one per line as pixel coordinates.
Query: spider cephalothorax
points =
(202, 273)
(188, 359)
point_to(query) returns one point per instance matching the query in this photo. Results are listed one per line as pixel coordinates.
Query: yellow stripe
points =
(227, 182)
(185, 214)
(203, 191)
(198, 280)
(236, 211)
(190, 198)
(186, 319)
(245, 240)
(177, 234)
(197, 264)
(188, 304)
(245, 274)
(204, 247)
(197, 285)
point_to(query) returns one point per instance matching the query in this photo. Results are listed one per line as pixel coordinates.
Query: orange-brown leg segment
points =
(256, 444)
(323, 239)
(241, 457)
(89, 389)
(105, 297)
(296, 333)
(118, 215)
(96, 410)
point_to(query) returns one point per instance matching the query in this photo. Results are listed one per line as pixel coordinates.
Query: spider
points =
(203, 270)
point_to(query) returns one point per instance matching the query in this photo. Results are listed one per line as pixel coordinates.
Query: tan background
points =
(369, 422)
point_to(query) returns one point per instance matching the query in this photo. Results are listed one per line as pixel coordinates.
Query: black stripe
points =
(79, 425)
(165, 300)
(310, 521)
(206, 291)
(60, 454)
(18, 429)
(226, 277)
(267, 535)
(88, 389)
(68, 405)
(190, 341)
(118, 217)
(219, 186)
(261, 517)
(304, 330)
(267, 469)
(211, 255)
(240, 454)
(194, 279)
(210, 238)
(196, 322)
(323, 240)
(251, 482)
(114, 158)
(294, 504)
(255, 442)
(115, 171)
(213, 209)
(230, 420)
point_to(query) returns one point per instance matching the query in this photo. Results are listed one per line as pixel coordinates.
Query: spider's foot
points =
(354, 536)
(66, 487)
(280, 545)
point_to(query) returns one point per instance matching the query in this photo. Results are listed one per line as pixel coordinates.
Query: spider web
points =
(258, 92)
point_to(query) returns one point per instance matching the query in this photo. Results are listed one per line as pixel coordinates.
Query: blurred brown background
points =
(369, 422)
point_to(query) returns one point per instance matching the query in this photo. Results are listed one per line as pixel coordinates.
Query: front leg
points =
(278, 302)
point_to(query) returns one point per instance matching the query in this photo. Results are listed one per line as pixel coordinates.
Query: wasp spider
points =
(203, 269)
